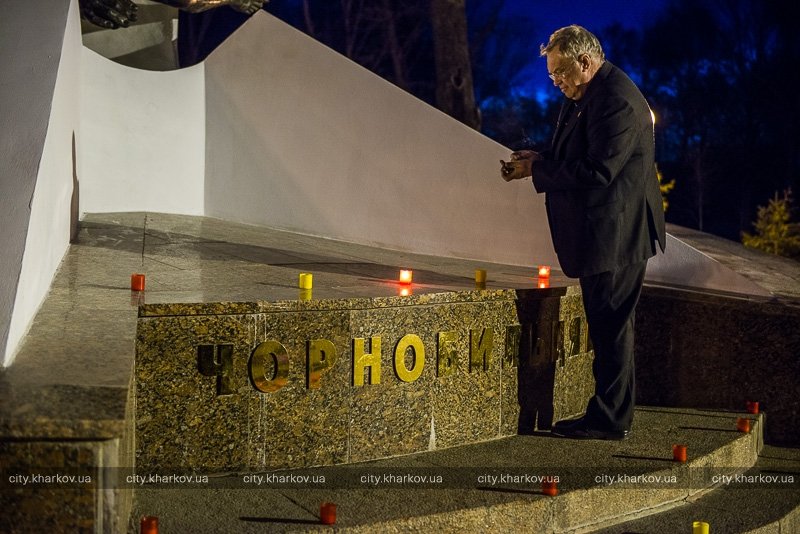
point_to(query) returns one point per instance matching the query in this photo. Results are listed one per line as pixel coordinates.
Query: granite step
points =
(599, 483)
(764, 499)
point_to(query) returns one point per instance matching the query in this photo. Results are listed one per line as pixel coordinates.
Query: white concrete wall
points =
(49, 226)
(301, 138)
(142, 138)
(275, 129)
(39, 68)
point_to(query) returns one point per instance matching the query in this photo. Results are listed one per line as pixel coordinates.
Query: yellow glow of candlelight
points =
(543, 283)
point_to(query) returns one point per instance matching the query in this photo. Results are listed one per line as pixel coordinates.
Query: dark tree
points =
(454, 89)
(728, 132)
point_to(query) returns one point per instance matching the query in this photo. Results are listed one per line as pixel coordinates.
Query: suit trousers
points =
(609, 300)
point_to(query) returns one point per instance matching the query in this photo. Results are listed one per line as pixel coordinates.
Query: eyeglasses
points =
(559, 73)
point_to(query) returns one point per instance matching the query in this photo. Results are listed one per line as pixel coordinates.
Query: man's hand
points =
(520, 165)
(110, 14)
(515, 170)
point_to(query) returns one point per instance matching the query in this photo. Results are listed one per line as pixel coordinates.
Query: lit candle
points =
(549, 486)
(148, 525)
(137, 282)
(743, 424)
(327, 513)
(406, 276)
(679, 453)
(544, 271)
(543, 283)
(306, 281)
(699, 527)
(752, 406)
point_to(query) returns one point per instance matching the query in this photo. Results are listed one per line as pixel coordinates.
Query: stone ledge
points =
(780, 276)
(201, 411)
(701, 350)
(469, 505)
(734, 507)
(70, 381)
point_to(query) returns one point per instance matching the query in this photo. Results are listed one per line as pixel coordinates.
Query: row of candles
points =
(327, 510)
(679, 452)
(306, 280)
(549, 486)
(327, 514)
(406, 276)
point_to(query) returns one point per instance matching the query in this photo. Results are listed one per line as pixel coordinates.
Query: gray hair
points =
(574, 41)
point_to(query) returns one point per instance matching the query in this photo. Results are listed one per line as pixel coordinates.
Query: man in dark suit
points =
(605, 213)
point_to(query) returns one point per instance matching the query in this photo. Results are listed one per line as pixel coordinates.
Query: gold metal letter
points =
(480, 348)
(418, 349)
(447, 353)
(320, 356)
(361, 360)
(258, 366)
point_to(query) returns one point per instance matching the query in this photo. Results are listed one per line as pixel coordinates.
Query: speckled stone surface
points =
(466, 500)
(71, 377)
(183, 423)
(67, 487)
(696, 350)
(70, 383)
(248, 275)
(745, 506)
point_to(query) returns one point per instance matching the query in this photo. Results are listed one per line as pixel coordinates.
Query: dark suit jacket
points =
(602, 196)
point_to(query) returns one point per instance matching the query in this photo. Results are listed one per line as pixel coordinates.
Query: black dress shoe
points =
(565, 424)
(581, 429)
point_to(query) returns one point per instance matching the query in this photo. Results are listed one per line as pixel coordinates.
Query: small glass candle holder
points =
(148, 524)
(550, 486)
(137, 282)
(327, 513)
(305, 281)
(679, 453)
(743, 425)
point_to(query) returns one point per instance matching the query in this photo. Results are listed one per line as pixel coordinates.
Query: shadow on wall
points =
(74, 210)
